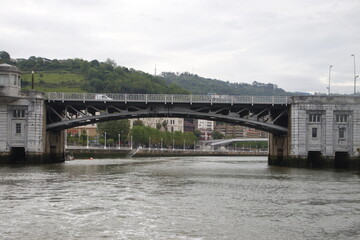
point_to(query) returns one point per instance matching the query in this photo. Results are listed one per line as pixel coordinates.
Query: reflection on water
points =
(177, 198)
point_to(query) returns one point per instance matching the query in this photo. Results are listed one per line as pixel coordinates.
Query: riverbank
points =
(87, 153)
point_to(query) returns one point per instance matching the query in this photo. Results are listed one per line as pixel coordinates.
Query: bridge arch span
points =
(63, 114)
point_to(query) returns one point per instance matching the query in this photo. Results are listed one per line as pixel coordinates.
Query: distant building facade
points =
(237, 131)
(165, 124)
(205, 127)
(90, 130)
(189, 125)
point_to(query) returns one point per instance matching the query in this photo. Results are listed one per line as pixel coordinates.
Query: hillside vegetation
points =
(62, 81)
(78, 75)
(200, 85)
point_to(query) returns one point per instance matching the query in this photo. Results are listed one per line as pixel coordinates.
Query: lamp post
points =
(173, 144)
(329, 79)
(119, 140)
(32, 80)
(353, 55)
(131, 142)
(87, 138)
(105, 140)
(161, 144)
(149, 142)
(66, 135)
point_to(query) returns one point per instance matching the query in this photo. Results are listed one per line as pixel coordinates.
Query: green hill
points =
(55, 82)
(200, 85)
(78, 75)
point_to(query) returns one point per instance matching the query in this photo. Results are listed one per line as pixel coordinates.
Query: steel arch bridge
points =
(67, 110)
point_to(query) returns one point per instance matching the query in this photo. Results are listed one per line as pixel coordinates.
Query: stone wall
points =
(324, 131)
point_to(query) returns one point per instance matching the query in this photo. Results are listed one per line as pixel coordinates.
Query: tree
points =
(197, 134)
(111, 62)
(110, 142)
(217, 135)
(164, 124)
(4, 56)
(138, 123)
(144, 135)
(114, 128)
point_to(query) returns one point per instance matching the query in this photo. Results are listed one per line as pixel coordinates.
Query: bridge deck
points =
(67, 110)
(167, 98)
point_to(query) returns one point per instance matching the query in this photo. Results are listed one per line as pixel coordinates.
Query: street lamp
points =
(105, 140)
(119, 140)
(353, 55)
(329, 79)
(149, 142)
(32, 80)
(131, 142)
(161, 144)
(66, 135)
(87, 138)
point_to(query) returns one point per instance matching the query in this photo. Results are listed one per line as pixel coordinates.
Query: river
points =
(177, 198)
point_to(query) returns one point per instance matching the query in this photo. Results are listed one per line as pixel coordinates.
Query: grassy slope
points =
(54, 81)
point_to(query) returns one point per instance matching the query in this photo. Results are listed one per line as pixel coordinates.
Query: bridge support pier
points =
(23, 136)
(55, 146)
(323, 132)
(279, 150)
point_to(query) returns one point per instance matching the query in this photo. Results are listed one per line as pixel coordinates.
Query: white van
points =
(102, 97)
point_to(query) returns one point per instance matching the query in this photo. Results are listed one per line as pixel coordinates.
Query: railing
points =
(166, 98)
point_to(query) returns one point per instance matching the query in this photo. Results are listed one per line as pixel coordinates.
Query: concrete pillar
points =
(54, 147)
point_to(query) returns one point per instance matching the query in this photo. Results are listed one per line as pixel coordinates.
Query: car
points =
(102, 97)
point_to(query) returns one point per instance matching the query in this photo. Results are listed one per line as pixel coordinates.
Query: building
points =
(23, 135)
(189, 125)
(164, 124)
(237, 131)
(90, 130)
(205, 127)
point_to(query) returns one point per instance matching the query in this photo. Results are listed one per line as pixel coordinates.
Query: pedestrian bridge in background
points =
(220, 142)
(67, 110)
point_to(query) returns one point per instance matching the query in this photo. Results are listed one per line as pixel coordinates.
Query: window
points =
(341, 132)
(18, 128)
(314, 118)
(13, 79)
(19, 113)
(341, 118)
(314, 132)
(4, 79)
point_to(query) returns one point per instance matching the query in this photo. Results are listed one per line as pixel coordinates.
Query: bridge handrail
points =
(166, 98)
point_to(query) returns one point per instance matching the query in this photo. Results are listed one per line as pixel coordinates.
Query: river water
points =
(177, 198)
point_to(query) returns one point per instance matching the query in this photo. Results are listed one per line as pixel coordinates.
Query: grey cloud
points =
(289, 43)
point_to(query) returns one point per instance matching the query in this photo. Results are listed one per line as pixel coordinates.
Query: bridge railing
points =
(166, 98)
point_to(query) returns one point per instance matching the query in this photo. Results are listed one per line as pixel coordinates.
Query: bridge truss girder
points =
(267, 117)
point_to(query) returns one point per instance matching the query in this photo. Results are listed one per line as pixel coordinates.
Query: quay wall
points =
(84, 153)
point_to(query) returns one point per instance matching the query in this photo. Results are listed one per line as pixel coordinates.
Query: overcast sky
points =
(290, 43)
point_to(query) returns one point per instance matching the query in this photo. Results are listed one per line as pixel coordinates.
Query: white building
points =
(167, 124)
(23, 136)
(206, 128)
